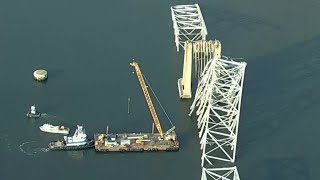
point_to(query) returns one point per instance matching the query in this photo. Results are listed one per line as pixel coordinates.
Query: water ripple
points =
(29, 148)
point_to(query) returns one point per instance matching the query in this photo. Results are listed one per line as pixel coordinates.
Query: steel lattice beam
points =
(228, 173)
(217, 103)
(188, 24)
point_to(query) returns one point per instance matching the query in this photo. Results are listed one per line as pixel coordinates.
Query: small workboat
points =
(33, 113)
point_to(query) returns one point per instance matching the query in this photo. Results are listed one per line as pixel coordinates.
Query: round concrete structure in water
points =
(40, 75)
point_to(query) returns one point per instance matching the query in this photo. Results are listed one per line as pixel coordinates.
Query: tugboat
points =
(54, 129)
(77, 141)
(33, 113)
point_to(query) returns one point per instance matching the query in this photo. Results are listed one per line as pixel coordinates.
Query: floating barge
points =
(133, 142)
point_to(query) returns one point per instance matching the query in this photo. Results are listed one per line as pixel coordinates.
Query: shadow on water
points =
(77, 155)
(280, 88)
(55, 73)
(40, 84)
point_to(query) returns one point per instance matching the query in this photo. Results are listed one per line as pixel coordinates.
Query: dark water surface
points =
(86, 47)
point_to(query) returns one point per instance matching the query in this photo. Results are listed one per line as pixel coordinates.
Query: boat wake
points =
(42, 149)
(45, 115)
(30, 148)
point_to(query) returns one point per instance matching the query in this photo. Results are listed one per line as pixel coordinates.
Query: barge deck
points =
(133, 142)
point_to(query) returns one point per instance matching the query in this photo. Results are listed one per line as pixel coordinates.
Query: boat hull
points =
(65, 131)
(33, 115)
(60, 145)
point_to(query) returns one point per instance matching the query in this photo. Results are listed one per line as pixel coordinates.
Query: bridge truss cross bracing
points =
(227, 173)
(217, 103)
(188, 24)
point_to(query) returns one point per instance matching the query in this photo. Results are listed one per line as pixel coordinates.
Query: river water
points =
(86, 47)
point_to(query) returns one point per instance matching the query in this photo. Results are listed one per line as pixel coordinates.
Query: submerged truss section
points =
(217, 103)
(188, 24)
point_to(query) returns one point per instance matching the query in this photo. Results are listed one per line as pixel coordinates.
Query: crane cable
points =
(157, 99)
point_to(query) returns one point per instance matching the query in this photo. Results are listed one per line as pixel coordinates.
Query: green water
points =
(86, 47)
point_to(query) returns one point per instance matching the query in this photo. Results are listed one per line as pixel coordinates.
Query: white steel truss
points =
(188, 24)
(227, 173)
(218, 101)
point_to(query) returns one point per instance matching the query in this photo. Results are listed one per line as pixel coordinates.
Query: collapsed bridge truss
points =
(217, 103)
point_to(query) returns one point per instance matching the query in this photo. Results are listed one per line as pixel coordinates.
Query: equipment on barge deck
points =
(140, 141)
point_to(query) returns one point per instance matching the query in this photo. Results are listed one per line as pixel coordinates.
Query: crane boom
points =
(147, 96)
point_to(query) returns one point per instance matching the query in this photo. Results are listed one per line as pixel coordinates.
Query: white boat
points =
(77, 141)
(54, 129)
